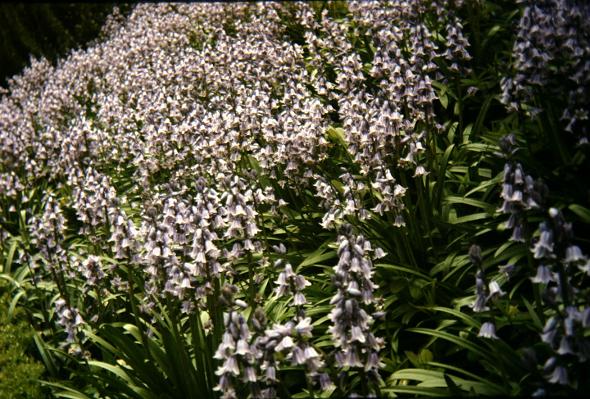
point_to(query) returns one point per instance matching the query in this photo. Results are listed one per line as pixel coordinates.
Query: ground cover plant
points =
(306, 199)
(19, 372)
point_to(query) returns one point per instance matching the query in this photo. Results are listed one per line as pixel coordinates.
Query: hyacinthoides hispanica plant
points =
(295, 199)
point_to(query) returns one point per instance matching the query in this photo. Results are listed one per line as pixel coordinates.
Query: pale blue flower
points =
(488, 330)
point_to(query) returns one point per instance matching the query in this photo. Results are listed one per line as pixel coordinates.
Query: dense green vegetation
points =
(303, 200)
(19, 372)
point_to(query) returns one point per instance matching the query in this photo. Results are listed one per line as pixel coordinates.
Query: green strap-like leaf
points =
(460, 341)
(582, 212)
(67, 391)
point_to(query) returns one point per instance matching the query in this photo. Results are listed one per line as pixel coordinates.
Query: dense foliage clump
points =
(19, 371)
(318, 199)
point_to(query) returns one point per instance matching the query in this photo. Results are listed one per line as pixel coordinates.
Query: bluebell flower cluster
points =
(236, 350)
(559, 269)
(520, 192)
(48, 234)
(552, 49)
(484, 292)
(566, 330)
(356, 346)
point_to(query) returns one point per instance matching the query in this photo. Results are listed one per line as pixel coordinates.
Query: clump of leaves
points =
(19, 372)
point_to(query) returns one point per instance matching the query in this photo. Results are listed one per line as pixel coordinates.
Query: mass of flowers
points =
(305, 199)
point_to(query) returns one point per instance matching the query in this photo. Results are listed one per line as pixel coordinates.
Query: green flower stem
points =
(135, 313)
(536, 287)
(425, 208)
(412, 229)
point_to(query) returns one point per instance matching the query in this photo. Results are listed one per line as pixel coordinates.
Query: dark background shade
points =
(47, 29)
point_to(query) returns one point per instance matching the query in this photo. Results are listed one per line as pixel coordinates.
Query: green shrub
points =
(19, 372)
